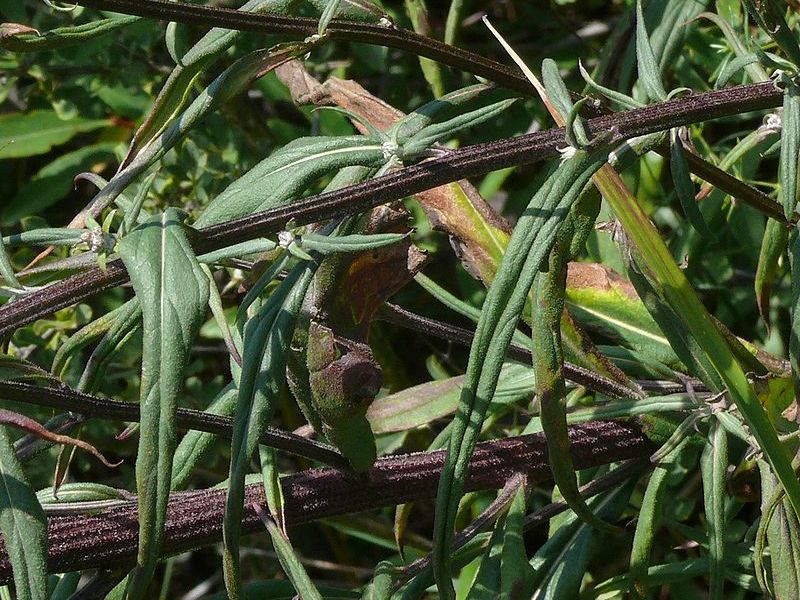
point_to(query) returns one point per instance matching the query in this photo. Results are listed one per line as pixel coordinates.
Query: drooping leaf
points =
(237, 77)
(530, 244)
(560, 564)
(648, 523)
(172, 291)
(773, 248)
(267, 336)
(175, 93)
(714, 467)
(33, 41)
(769, 14)
(649, 70)
(684, 188)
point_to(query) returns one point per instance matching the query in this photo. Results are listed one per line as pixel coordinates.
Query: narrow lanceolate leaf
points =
(794, 338)
(173, 293)
(790, 146)
(684, 188)
(560, 564)
(769, 14)
(289, 560)
(267, 336)
(516, 575)
(6, 269)
(773, 247)
(273, 492)
(327, 15)
(648, 522)
(23, 525)
(548, 363)
(649, 70)
(227, 84)
(25, 39)
(288, 172)
(714, 465)
(175, 94)
(529, 245)
(364, 11)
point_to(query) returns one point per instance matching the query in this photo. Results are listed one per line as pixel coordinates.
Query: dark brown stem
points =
(469, 161)
(536, 519)
(194, 519)
(731, 185)
(65, 398)
(302, 27)
(458, 335)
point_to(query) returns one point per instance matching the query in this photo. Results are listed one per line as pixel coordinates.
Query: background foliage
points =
(121, 137)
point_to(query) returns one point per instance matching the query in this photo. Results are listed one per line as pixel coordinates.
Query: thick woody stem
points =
(470, 161)
(194, 519)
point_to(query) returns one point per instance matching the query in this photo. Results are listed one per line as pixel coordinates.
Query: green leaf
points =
(438, 132)
(782, 528)
(560, 564)
(6, 268)
(364, 11)
(790, 147)
(267, 336)
(516, 575)
(380, 588)
(769, 14)
(196, 445)
(35, 132)
(289, 560)
(23, 525)
(287, 173)
(175, 93)
(684, 188)
(436, 111)
(55, 180)
(648, 522)
(85, 336)
(330, 10)
(649, 70)
(794, 335)
(126, 323)
(329, 244)
(172, 291)
(773, 248)
(421, 404)
(486, 585)
(233, 80)
(270, 474)
(531, 242)
(714, 467)
(62, 37)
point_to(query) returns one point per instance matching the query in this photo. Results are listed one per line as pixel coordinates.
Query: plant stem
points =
(369, 33)
(194, 519)
(458, 335)
(470, 161)
(65, 398)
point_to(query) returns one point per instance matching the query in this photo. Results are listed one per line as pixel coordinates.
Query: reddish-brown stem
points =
(194, 519)
(469, 161)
